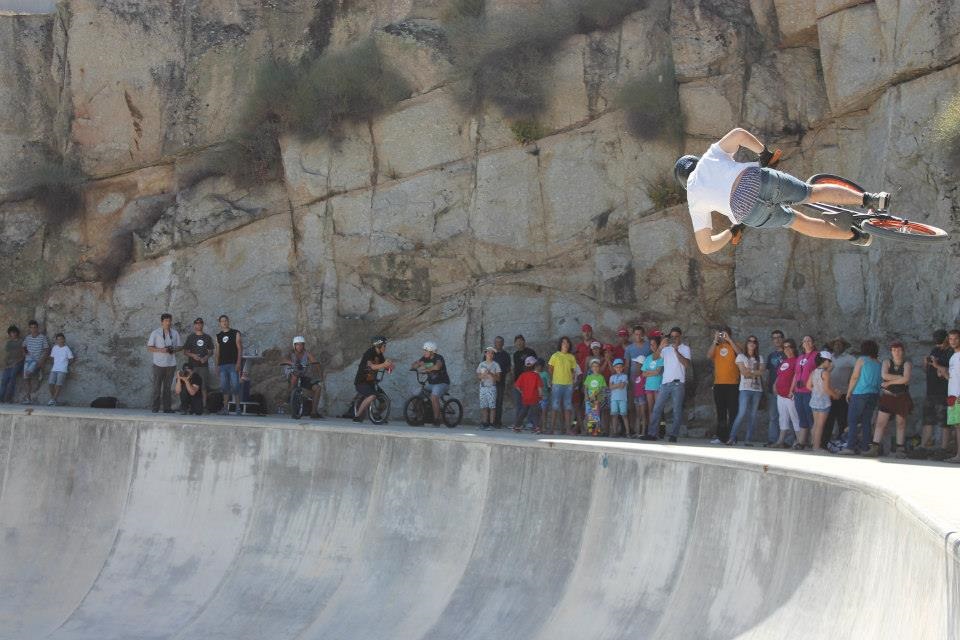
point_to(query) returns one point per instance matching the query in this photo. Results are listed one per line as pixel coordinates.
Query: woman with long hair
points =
(751, 367)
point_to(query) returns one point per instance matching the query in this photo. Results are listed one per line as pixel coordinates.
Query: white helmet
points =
(300, 340)
(430, 346)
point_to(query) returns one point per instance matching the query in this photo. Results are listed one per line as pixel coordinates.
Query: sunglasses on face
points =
(753, 341)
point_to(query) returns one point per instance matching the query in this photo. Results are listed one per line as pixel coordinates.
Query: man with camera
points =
(163, 343)
(723, 354)
(189, 387)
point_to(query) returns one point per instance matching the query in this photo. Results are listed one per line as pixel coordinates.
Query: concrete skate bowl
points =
(126, 528)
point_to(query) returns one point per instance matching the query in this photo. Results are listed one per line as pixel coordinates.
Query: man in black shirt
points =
(935, 402)
(502, 358)
(437, 379)
(199, 347)
(520, 353)
(371, 362)
(190, 388)
(228, 354)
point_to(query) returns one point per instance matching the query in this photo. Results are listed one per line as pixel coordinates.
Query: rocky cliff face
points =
(429, 222)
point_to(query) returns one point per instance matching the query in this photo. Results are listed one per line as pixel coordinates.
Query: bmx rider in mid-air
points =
(751, 194)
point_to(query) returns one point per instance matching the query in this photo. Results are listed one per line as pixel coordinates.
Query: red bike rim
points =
(903, 226)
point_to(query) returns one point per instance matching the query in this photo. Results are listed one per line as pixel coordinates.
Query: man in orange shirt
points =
(726, 381)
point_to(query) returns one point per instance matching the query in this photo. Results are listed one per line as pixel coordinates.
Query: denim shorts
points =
(776, 190)
(561, 394)
(438, 389)
(229, 379)
(57, 378)
(618, 407)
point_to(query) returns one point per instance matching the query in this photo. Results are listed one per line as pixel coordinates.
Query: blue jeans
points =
(749, 403)
(229, 381)
(671, 392)
(777, 189)
(8, 385)
(860, 418)
(802, 402)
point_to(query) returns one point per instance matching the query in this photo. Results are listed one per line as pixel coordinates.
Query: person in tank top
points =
(894, 401)
(863, 393)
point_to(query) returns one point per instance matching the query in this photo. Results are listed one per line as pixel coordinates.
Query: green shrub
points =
(55, 184)
(504, 59)
(665, 192)
(527, 131)
(946, 131)
(652, 105)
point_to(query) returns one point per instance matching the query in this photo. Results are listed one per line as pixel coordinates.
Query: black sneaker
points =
(648, 438)
(877, 201)
(357, 418)
(860, 238)
(673, 438)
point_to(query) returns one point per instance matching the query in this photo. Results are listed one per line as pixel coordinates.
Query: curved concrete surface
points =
(137, 527)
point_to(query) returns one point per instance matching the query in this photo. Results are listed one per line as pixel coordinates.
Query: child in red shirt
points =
(529, 384)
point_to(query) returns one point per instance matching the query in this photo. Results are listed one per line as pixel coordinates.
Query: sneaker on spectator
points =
(716, 441)
(847, 452)
(648, 438)
(52, 403)
(672, 439)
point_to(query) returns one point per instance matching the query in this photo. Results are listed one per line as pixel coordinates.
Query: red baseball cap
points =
(655, 333)
(608, 347)
(622, 331)
(586, 327)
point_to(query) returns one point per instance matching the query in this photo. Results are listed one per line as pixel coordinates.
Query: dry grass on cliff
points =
(946, 131)
(665, 192)
(55, 185)
(504, 59)
(652, 105)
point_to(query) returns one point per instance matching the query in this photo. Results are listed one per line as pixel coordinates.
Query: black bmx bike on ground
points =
(883, 225)
(418, 409)
(307, 393)
(379, 410)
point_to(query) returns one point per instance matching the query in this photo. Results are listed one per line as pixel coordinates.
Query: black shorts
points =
(935, 411)
(365, 389)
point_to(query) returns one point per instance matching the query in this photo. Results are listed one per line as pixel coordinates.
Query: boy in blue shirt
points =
(618, 400)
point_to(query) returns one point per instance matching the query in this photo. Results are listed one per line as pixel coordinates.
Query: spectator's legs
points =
(753, 405)
(742, 416)
(498, 415)
(8, 384)
(158, 373)
(517, 404)
(663, 397)
(678, 394)
(773, 421)
(166, 382)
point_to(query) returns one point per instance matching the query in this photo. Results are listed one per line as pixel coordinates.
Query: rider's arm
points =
(708, 242)
(737, 138)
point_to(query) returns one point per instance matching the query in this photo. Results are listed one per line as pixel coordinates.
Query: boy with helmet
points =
(371, 362)
(438, 381)
(754, 195)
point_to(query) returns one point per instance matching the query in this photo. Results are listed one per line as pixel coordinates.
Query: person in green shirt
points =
(593, 390)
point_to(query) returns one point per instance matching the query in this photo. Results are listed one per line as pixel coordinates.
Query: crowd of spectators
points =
(820, 396)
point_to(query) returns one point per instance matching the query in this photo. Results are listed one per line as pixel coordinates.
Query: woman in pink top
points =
(806, 363)
(784, 388)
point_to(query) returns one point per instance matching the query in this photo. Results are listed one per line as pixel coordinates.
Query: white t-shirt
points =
(162, 339)
(749, 384)
(489, 367)
(672, 369)
(953, 383)
(61, 358)
(710, 185)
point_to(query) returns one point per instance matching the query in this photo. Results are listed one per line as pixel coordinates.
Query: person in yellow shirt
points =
(723, 354)
(562, 368)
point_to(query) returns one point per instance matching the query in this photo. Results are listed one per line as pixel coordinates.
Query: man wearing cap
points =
(619, 381)
(530, 386)
(198, 349)
(520, 354)
(503, 359)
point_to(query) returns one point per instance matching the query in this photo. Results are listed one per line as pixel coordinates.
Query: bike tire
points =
(379, 410)
(452, 412)
(829, 178)
(904, 230)
(296, 403)
(413, 412)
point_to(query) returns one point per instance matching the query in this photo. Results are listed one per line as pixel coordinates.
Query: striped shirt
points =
(36, 345)
(746, 195)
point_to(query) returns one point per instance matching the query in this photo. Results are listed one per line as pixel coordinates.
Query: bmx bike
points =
(306, 393)
(379, 410)
(883, 225)
(419, 409)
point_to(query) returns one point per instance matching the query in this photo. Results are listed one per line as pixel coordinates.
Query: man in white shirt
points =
(163, 343)
(953, 393)
(676, 360)
(752, 194)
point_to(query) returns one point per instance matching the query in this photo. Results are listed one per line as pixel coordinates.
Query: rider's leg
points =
(435, 401)
(818, 228)
(364, 406)
(834, 194)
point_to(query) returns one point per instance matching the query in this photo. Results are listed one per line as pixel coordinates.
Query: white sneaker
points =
(716, 441)
(52, 403)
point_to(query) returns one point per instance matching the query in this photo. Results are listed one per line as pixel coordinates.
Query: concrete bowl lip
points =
(918, 489)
